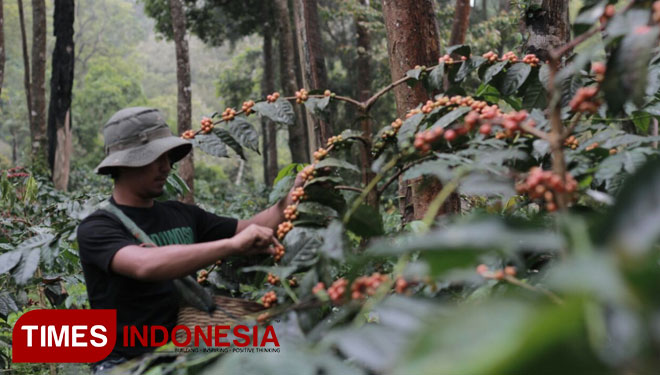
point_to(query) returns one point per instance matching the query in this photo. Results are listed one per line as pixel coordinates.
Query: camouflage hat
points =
(135, 137)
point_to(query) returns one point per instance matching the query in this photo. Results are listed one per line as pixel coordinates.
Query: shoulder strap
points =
(128, 223)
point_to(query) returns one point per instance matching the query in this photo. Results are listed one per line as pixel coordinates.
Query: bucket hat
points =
(135, 137)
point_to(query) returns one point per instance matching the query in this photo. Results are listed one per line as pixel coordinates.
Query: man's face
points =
(147, 181)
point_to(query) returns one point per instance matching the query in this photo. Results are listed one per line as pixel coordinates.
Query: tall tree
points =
(548, 27)
(184, 105)
(61, 83)
(38, 86)
(268, 129)
(2, 46)
(461, 22)
(363, 84)
(412, 39)
(298, 141)
(26, 62)
(314, 75)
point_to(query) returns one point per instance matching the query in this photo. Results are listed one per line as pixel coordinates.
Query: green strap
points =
(128, 223)
(188, 288)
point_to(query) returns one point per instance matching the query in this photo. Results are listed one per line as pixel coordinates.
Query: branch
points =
(400, 172)
(346, 187)
(534, 131)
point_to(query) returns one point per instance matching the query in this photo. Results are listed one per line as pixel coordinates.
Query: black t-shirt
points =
(139, 303)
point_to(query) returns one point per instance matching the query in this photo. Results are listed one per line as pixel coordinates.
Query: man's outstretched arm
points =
(175, 261)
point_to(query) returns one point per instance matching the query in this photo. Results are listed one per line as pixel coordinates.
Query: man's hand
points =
(255, 239)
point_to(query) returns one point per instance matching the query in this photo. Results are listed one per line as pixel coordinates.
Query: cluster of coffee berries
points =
(401, 285)
(293, 282)
(499, 274)
(308, 173)
(272, 98)
(263, 318)
(446, 59)
(572, 142)
(613, 151)
(541, 184)
(591, 146)
(599, 70)
(490, 56)
(334, 139)
(269, 299)
(284, 228)
(327, 93)
(207, 125)
(510, 56)
(202, 276)
(272, 279)
(511, 123)
(608, 13)
(318, 288)
(298, 194)
(584, 100)
(291, 212)
(279, 252)
(188, 134)
(301, 96)
(247, 107)
(656, 11)
(365, 286)
(320, 154)
(531, 59)
(228, 114)
(424, 140)
(337, 290)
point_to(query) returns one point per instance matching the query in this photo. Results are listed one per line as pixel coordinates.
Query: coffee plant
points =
(550, 266)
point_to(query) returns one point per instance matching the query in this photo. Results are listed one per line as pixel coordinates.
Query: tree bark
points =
(268, 128)
(363, 68)
(2, 46)
(412, 39)
(461, 22)
(61, 84)
(26, 63)
(548, 27)
(38, 113)
(314, 74)
(184, 94)
(298, 141)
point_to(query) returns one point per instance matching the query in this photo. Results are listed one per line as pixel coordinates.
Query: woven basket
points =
(229, 311)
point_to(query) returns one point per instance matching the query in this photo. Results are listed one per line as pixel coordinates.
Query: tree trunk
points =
(38, 113)
(314, 75)
(363, 84)
(61, 84)
(184, 106)
(548, 27)
(298, 141)
(2, 46)
(461, 22)
(268, 128)
(26, 63)
(412, 39)
(484, 10)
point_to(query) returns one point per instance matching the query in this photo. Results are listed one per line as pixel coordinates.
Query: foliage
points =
(564, 277)
(552, 268)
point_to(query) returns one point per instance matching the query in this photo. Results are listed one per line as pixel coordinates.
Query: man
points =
(136, 280)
